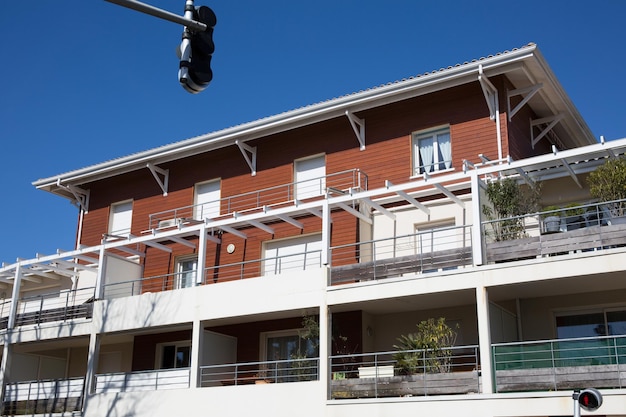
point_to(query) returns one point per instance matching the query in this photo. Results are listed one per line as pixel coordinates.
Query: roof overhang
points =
(523, 67)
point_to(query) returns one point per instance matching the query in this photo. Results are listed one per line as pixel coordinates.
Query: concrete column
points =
(99, 290)
(196, 350)
(324, 348)
(92, 364)
(201, 262)
(484, 339)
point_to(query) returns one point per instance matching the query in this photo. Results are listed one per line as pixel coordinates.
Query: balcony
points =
(216, 274)
(161, 379)
(44, 397)
(554, 233)
(272, 197)
(564, 364)
(59, 306)
(279, 371)
(438, 249)
(453, 370)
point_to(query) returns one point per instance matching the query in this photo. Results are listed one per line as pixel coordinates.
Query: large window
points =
(120, 218)
(608, 322)
(174, 355)
(186, 272)
(432, 151)
(299, 253)
(310, 177)
(207, 200)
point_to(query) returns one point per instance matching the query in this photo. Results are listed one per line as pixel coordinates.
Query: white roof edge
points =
(311, 113)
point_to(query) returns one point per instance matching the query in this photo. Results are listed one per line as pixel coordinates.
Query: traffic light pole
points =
(160, 13)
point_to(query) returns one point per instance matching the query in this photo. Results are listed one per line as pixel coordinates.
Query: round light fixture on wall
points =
(230, 248)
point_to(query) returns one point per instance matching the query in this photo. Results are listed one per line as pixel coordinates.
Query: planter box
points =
(407, 385)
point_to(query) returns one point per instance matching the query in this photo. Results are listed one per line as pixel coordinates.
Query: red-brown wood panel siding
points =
(387, 157)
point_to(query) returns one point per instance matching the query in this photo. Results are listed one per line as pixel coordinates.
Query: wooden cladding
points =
(388, 156)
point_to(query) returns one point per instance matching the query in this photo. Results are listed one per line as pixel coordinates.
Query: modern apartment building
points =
(274, 267)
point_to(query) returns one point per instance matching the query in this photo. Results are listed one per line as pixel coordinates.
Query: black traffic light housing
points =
(590, 399)
(196, 51)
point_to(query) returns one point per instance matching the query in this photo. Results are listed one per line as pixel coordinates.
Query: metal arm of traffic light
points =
(163, 14)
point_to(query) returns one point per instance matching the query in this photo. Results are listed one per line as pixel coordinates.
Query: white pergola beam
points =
(378, 207)
(158, 246)
(291, 221)
(261, 226)
(568, 168)
(355, 212)
(234, 231)
(182, 241)
(408, 198)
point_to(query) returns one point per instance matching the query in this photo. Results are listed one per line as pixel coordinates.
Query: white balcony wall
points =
(119, 270)
(283, 292)
(276, 400)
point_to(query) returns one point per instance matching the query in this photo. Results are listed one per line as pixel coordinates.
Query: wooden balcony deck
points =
(582, 239)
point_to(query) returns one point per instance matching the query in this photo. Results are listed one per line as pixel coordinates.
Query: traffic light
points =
(590, 399)
(196, 50)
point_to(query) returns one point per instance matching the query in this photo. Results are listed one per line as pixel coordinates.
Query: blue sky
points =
(85, 81)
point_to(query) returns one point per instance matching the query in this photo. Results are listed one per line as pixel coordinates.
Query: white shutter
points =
(121, 218)
(310, 177)
(207, 200)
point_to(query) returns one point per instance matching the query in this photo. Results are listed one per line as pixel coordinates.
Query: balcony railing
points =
(61, 305)
(143, 380)
(428, 251)
(292, 370)
(353, 179)
(216, 274)
(562, 364)
(452, 370)
(44, 397)
(557, 232)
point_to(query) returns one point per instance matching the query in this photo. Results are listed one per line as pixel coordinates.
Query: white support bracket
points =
(156, 171)
(529, 91)
(358, 125)
(490, 92)
(249, 154)
(80, 195)
(550, 120)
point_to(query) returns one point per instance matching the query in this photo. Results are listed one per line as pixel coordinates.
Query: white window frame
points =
(207, 204)
(265, 336)
(439, 161)
(121, 218)
(292, 254)
(160, 352)
(181, 273)
(309, 177)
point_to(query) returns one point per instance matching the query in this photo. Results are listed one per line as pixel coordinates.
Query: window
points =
(287, 344)
(591, 324)
(120, 218)
(207, 200)
(186, 272)
(432, 151)
(310, 177)
(174, 355)
(292, 254)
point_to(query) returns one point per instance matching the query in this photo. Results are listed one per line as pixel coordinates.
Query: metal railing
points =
(427, 251)
(61, 305)
(280, 371)
(560, 364)
(451, 370)
(353, 179)
(43, 396)
(160, 379)
(555, 232)
(221, 273)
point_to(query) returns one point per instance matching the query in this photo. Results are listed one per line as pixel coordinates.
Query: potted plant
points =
(574, 216)
(507, 201)
(608, 184)
(551, 219)
(427, 350)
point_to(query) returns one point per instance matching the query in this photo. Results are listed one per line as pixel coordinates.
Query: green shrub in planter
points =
(608, 184)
